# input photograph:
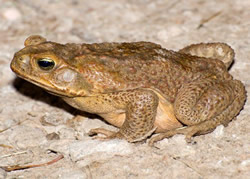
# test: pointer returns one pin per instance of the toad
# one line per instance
(139, 87)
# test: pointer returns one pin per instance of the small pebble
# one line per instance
(11, 14)
(52, 136)
(219, 131)
(3, 173)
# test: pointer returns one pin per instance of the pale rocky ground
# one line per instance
(28, 114)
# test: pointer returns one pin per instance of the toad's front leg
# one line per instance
(140, 106)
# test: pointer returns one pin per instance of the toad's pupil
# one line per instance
(46, 64)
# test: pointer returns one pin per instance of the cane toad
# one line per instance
(139, 87)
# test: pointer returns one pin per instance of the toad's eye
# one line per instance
(45, 63)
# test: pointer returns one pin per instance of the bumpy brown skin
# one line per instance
(139, 87)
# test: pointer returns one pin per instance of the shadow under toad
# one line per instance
(36, 93)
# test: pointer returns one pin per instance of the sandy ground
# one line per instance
(34, 123)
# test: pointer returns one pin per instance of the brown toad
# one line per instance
(139, 87)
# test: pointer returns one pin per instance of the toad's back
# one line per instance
(122, 66)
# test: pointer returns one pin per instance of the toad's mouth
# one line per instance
(38, 81)
(49, 88)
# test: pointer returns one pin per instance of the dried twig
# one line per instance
(9, 155)
(13, 125)
(6, 146)
(204, 21)
(187, 165)
(18, 167)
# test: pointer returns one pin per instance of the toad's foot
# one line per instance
(107, 134)
(189, 132)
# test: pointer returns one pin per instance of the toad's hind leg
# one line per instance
(220, 51)
(203, 105)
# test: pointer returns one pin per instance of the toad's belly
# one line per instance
(165, 119)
